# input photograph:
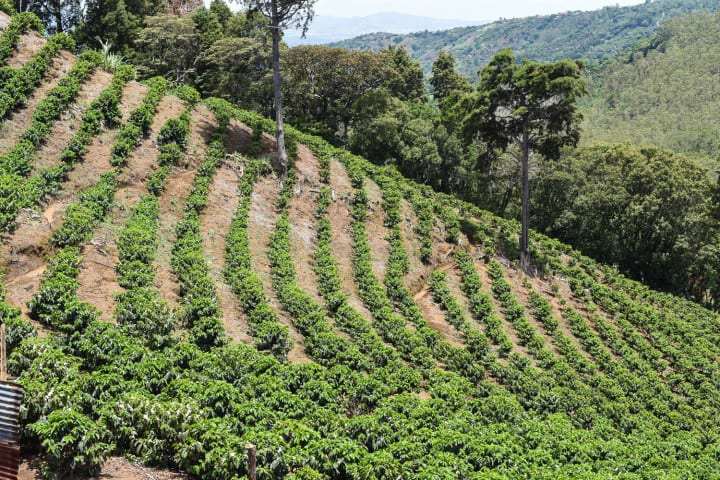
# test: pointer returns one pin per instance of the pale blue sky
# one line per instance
(461, 9)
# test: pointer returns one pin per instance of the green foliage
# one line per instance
(168, 46)
(19, 24)
(116, 22)
(662, 92)
(591, 35)
(7, 7)
(73, 444)
(649, 211)
(16, 85)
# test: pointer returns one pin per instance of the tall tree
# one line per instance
(282, 14)
(530, 106)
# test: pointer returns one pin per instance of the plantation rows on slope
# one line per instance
(169, 299)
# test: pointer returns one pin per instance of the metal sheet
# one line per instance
(9, 462)
(10, 400)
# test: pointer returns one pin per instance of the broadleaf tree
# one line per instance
(528, 106)
(282, 14)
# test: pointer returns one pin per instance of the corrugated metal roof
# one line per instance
(10, 400)
(9, 462)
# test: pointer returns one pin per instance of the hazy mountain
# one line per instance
(334, 29)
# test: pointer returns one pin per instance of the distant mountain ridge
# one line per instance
(592, 35)
(325, 29)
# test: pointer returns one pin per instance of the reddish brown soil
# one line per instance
(115, 468)
(63, 129)
(261, 223)
(341, 243)
(215, 225)
(435, 317)
(13, 127)
(27, 47)
(303, 221)
(376, 230)
(418, 273)
(177, 190)
(98, 278)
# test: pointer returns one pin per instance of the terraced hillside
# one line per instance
(169, 299)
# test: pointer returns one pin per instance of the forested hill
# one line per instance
(590, 35)
(664, 92)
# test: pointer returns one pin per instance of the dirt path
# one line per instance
(303, 223)
(115, 468)
(341, 243)
(13, 127)
(418, 273)
(435, 317)
(261, 223)
(98, 277)
(376, 230)
(214, 227)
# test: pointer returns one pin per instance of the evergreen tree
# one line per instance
(530, 106)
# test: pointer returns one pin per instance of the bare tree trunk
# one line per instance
(282, 153)
(525, 233)
(57, 11)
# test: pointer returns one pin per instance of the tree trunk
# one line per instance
(57, 11)
(280, 134)
(525, 233)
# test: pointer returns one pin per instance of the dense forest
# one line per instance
(593, 35)
(664, 91)
(373, 309)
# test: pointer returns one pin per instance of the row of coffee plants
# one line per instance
(58, 305)
(141, 309)
(19, 159)
(19, 24)
(347, 318)
(199, 307)
(17, 84)
(18, 192)
(480, 303)
(570, 371)
(426, 221)
(321, 342)
(456, 358)
(265, 328)
(659, 337)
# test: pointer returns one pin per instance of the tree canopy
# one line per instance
(530, 106)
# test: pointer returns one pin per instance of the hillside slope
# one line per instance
(664, 92)
(184, 302)
(590, 35)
